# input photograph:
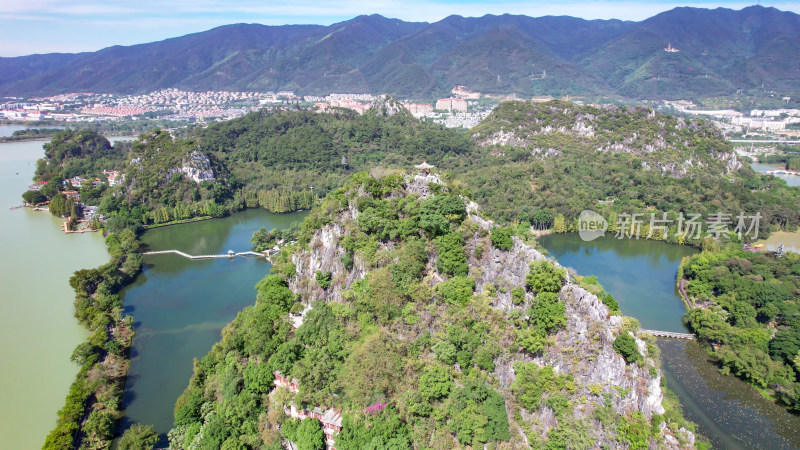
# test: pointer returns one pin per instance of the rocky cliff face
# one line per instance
(197, 167)
(583, 348)
(385, 105)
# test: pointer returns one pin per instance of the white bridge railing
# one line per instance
(669, 334)
(230, 254)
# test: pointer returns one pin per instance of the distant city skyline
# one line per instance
(48, 26)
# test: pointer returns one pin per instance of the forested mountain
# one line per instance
(385, 257)
(409, 321)
(537, 163)
(721, 50)
(557, 159)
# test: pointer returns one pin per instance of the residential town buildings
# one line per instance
(451, 104)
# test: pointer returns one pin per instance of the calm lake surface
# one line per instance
(729, 412)
(8, 130)
(37, 328)
(789, 239)
(641, 276)
(791, 180)
(181, 305)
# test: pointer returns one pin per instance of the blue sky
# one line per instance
(44, 26)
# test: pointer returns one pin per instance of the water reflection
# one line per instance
(727, 411)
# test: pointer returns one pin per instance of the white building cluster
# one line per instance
(767, 120)
(451, 104)
(756, 123)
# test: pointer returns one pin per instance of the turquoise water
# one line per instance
(640, 274)
(181, 305)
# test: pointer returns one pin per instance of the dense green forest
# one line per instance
(564, 158)
(283, 161)
(409, 351)
(745, 306)
(297, 149)
(532, 163)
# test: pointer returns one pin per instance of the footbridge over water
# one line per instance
(230, 254)
(669, 334)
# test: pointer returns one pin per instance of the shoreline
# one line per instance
(118, 364)
(10, 139)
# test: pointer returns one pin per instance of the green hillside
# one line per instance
(524, 161)
(558, 158)
(416, 341)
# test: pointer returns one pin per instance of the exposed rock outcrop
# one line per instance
(197, 167)
(385, 105)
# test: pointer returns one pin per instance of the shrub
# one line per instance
(518, 295)
(545, 277)
(548, 312)
(457, 290)
(138, 437)
(452, 258)
(501, 238)
(445, 352)
(610, 301)
(626, 346)
(324, 279)
(435, 383)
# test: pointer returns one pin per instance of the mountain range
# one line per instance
(720, 52)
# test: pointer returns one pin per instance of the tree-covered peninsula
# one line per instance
(547, 162)
(402, 318)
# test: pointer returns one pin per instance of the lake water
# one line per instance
(789, 239)
(8, 130)
(37, 328)
(729, 412)
(791, 180)
(641, 276)
(181, 305)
